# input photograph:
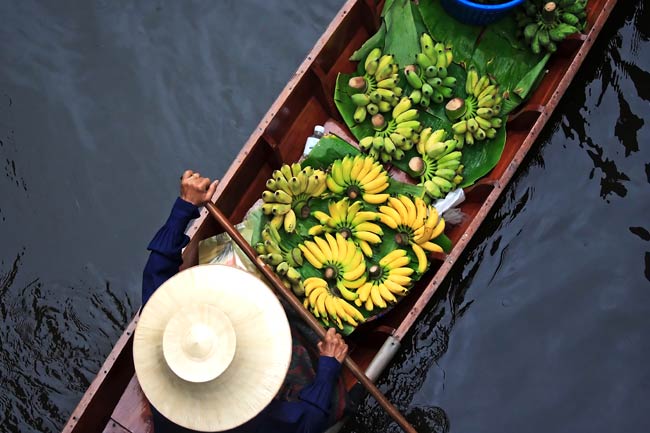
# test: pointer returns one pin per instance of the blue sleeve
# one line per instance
(318, 395)
(166, 246)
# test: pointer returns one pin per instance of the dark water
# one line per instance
(103, 104)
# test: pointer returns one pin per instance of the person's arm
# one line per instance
(166, 246)
(317, 396)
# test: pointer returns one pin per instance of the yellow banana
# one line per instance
(368, 163)
(396, 288)
(386, 294)
(404, 271)
(388, 220)
(421, 256)
(388, 258)
(438, 230)
(334, 249)
(371, 175)
(410, 209)
(342, 247)
(391, 212)
(354, 284)
(315, 250)
(364, 291)
(375, 198)
(324, 247)
(346, 168)
(399, 262)
(400, 208)
(376, 297)
(377, 185)
(355, 273)
(357, 165)
(398, 279)
(310, 257)
(333, 186)
(430, 246)
(365, 248)
(363, 216)
(369, 227)
(290, 221)
(352, 312)
(368, 236)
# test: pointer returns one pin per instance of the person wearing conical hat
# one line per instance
(213, 344)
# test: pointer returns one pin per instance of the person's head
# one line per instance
(212, 347)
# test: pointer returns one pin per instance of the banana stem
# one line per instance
(358, 83)
(455, 108)
(549, 12)
(416, 164)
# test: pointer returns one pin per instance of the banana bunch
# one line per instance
(340, 262)
(377, 90)
(288, 193)
(477, 115)
(396, 136)
(283, 260)
(545, 23)
(359, 176)
(416, 224)
(328, 306)
(439, 164)
(389, 278)
(429, 77)
(351, 222)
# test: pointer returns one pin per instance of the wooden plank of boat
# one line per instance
(114, 401)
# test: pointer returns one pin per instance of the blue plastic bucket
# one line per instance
(478, 14)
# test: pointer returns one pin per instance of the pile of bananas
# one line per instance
(284, 260)
(477, 114)
(327, 306)
(439, 164)
(340, 262)
(394, 137)
(389, 278)
(429, 77)
(288, 193)
(416, 223)
(543, 24)
(377, 90)
(361, 176)
(351, 222)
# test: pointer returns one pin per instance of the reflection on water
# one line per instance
(542, 327)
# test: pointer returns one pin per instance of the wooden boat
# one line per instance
(114, 401)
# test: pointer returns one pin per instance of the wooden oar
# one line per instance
(305, 315)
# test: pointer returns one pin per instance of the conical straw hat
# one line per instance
(212, 347)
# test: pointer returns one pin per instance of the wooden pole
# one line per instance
(306, 315)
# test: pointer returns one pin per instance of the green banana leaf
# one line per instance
(376, 40)
(327, 150)
(401, 34)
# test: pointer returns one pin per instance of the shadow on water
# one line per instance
(541, 326)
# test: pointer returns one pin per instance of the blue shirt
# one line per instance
(309, 414)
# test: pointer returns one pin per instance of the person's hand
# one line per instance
(333, 345)
(196, 189)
